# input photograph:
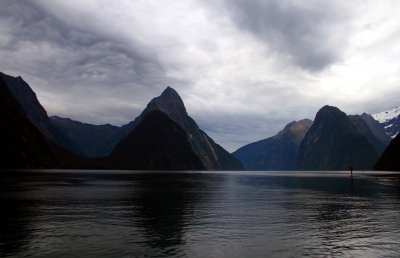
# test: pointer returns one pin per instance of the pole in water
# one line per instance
(351, 169)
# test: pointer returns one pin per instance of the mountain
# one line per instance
(94, 140)
(99, 141)
(364, 129)
(156, 143)
(390, 158)
(377, 128)
(390, 119)
(212, 155)
(333, 143)
(36, 113)
(275, 153)
(24, 146)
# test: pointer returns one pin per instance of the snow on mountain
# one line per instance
(387, 115)
(390, 120)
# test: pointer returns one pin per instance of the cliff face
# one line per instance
(275, 153)
(333, 143)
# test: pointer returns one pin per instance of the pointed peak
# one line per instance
(169, 93)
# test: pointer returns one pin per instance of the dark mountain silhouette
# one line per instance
(363, 128)
(275, 153)
(156, 143)
(333, 143)
(99, 141)
(95, 140)
(377, 128)
(212, 155)
(36, 113)
(24, 146)
(390, 158)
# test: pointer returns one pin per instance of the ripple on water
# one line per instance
(198, 215)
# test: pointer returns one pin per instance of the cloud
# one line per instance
(305, 34)
(70, 54)
(244, 69)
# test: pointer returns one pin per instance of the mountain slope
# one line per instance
(377, 128)
(275, 153)
(157, 143)
(212, 155)
(94, 140)
(36, 113)
(390, 158)
(363, 128)
(333, 143)
(24, 146)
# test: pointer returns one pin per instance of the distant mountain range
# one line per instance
(123, 147)
(165, 137)
(334, 141)
(279, 152)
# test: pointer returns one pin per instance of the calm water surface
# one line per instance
(229, 214)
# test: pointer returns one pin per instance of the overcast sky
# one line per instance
(244, 68)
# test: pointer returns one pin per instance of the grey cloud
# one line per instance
(32, 24)
(80, 62)
(302, 35)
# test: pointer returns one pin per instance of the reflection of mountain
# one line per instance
(17, 214)
(164, 204)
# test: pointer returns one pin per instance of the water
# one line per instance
(229, 214)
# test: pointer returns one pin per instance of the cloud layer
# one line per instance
(243, 68)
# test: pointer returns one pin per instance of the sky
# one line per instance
(244, 68)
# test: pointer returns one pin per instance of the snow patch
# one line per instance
(387, 115)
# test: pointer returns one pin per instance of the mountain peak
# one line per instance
(170, 103)
(169, 93)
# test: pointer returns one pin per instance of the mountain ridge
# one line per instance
(35, 112)
(278, 152)
(333, 143)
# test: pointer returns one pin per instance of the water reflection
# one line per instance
(17, 214)
(89, 213)
(165, 205)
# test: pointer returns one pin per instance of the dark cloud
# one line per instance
(89, 74)
(302, 35)
(75, 57)
(102, 62)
